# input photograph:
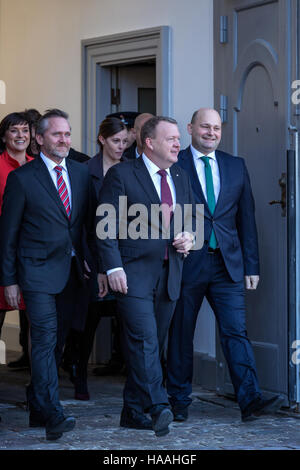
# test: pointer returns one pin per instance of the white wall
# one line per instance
(40, 54)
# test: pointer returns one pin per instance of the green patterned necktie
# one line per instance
(211, 202)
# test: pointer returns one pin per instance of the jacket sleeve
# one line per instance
(246, 226)
(14, 201)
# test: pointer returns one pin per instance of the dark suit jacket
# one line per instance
(130, 153)
(78, 156)
(233, 219)
(36, 234)
(142, 258)
(95, 166)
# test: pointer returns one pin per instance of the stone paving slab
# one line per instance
(214, 422)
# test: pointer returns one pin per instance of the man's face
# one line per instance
(165, 145)
(130, 137)
(56, 141)
(206, 131)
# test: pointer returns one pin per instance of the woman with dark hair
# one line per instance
(112, 139)
(14, 140)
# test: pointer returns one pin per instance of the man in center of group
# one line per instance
(145, 274)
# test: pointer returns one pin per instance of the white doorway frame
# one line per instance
(124, 48)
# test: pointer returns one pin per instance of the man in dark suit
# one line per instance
(145, 272)
(218, 271)
(46, 206)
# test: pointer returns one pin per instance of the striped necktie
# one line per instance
(210, 194)
(62, 190)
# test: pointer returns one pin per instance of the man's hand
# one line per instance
(118, 281)
(183, 242)
(251, 282)
(102, 284)
(13, 295)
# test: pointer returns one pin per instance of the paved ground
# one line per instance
(214, 422)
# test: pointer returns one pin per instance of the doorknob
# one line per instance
(282, 202)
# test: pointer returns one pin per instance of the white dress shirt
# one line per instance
(200, 168)
(156, 178)
(50, 164)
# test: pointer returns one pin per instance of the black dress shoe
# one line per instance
(21, 363)
(261, 406)
(36, 420)
(180, 413)
(161, 420)
(131, 418)
(56, 431)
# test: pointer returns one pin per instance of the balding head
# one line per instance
(206, 130)
(138, 124)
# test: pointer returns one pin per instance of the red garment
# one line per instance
(7, 164)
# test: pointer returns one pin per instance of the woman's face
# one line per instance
(17, 137)
(114, 146)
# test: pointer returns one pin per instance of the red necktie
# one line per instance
(62, 190)
(166, 200)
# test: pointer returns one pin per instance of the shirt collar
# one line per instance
(197, 154)
(50, 164)
(151, 167)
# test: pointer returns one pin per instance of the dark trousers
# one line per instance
(50, 318)
(145, 330)
(227, 299)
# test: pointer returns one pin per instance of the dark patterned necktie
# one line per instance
(62, 190)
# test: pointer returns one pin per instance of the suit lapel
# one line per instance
(177, 180)
(145, 179)
(223, 179)
(75, 182)
(45, 179)
(189, 166)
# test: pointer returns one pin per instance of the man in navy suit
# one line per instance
(228, 259)
(46, 206)
(145, 271)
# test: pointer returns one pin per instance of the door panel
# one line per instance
(249, 72)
